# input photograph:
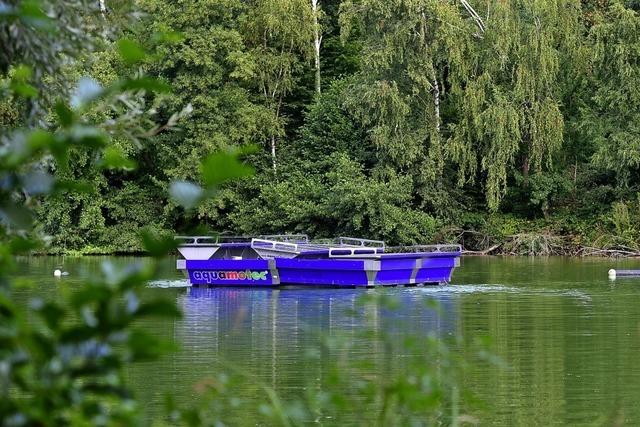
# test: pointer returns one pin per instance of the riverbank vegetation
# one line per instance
(510, 127)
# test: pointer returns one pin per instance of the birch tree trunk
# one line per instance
(475, 16)
(273, 152)
(103, 7)
(317, 41)
(436, 102)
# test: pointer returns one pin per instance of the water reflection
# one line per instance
(251, 311)
(570, 339)
(268, 333)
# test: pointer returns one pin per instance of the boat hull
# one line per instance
(382, 270)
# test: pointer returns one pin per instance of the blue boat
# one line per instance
(277, 260)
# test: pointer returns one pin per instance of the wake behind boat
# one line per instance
(294, 260)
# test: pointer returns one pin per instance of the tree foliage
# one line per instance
(510, 108)
(437, 119)
(611, 119)
(458, 107)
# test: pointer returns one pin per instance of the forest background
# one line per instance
(510, 127)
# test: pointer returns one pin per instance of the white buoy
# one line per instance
(612, 274)
(57, 273)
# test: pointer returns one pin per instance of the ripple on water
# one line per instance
(465, 289)
(178, 283)
(497, 288)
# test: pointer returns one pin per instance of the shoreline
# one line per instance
(490, 241)
(585, 252)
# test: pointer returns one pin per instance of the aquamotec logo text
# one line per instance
(210, 276)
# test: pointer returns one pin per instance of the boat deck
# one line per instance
(294, 259)
(299, 245)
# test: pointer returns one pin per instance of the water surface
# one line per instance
(569, 338)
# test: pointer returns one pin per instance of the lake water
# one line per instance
(568, 338)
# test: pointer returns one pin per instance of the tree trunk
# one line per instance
(474, 15)
(317, 41)
(273, 152)
(317, 53)
(436, 102)
(103, 7)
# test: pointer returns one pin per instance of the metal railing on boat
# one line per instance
(274, 245)
(196, 240)
(341, 251)
(440, 248)
(215, 240)
(340, 247)
(356, 241)
(364, 252)
(297, 243)
(262, 245)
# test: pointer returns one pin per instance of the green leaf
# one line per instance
(159, 307)
(40, 139)
(16, 215)
(220, 167)
(158, 245)
(21, 244)
(65, 115)
(51, 313)
(144, 346)
(77, 334)
(167, 37)
(130, 51)
(24, 89)
(90, 294)
(22, 73)
(31, 12)
(88, 136)
(114, 158)
(73, 186)
(146, 83)
(126, 278)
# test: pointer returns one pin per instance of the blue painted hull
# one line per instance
(383, 270)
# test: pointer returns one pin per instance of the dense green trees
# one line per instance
(408, 120)
(510, 106)
(611, 120)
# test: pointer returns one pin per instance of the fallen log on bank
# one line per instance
(588, 251)
(476, 243)
(487, 251)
